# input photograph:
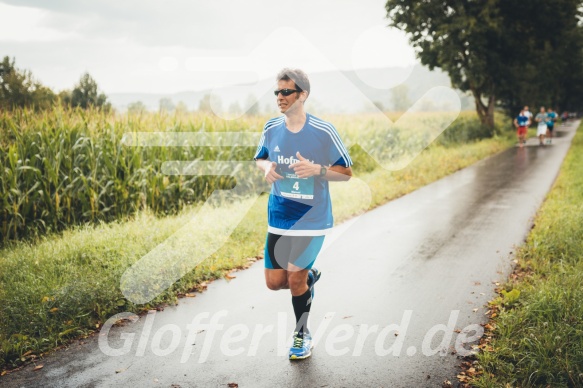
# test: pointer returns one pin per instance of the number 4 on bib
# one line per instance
(290, 187)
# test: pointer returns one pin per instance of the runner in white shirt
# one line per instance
(527, 113)
(541, 128)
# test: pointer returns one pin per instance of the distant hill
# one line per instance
(332, 92)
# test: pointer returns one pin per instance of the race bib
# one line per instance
(293, 186)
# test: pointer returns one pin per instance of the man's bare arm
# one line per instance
(338, 173)
(268, 169)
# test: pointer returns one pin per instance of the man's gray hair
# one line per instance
(298, 76)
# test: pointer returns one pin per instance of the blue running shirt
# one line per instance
(300, 206)
(551, 118)
(521, 120)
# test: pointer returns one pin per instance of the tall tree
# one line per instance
(509, 52)
(235, 108)
(65, 97)
(18, 88)
(85, 94)
(210, 103)
(252, 105)
(137, 107)
(544, 53)
(166, 105)
(181, 107)
(400, 98)
(460, 37)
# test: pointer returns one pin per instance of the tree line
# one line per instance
(507, 53)
(20, 89)
(209, 103)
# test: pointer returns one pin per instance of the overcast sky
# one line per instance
(178, 45)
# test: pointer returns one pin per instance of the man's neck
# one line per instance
(295, 121)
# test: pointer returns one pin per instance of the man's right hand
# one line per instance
(270, 174)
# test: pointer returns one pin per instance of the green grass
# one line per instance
(64, 286)
(538, 341)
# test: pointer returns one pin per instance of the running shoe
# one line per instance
(313, 276)
(302, 347)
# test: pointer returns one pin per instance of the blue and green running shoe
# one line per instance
(302, 347)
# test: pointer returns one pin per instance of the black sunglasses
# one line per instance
(286, 92)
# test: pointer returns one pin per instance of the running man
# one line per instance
(521, 122)
(551, 118)
(298, 154)
(565, 117)
(541, 129)
(527, 113)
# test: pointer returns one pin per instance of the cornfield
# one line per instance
(63, 167)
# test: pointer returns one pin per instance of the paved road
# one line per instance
(396, 285)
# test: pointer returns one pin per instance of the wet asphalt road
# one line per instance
(397, 284)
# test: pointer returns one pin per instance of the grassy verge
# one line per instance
(537, 337)
(66, 286)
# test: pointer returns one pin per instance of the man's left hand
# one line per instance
(304, 168)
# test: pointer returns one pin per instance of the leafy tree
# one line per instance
(204, 104)
(461, 38)
(545, 65)
(509, 52)
(85, 94)
(65, 97)
(253, 105)
(137, 107)
(235, 108)
(427, 105)
(166, 105)
(18, 88)
(400, 98)
(181, 107)
(210, 103)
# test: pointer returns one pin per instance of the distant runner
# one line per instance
(551, 118)
(541, 129)
(528, 114)
(565, 117)
(298, 153)
(521, 122)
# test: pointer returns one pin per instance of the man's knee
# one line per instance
(297, 279)
(273, 285)
(276, 282)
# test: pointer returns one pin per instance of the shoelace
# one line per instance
(298, 342)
